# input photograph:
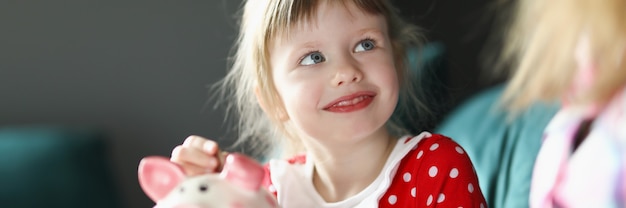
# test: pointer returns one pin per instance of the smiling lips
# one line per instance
(350, 103)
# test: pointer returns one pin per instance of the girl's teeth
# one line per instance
(350, 102)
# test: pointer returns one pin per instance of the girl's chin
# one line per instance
(353, 133)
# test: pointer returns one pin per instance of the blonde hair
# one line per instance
(263, 21)
(540, 45)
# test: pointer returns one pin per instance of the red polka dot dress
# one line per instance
(428, 170)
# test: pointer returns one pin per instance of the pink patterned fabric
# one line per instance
(592, 176)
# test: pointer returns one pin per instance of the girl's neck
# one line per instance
(344, 170)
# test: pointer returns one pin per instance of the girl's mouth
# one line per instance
(350, 103)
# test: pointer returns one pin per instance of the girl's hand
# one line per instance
(198, 155)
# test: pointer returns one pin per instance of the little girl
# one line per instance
(323, 79)
(575, 51)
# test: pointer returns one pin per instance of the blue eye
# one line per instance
(312, 58)
(365, 45)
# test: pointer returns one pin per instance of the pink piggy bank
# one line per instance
(237, 186)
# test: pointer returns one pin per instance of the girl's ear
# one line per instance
(280, 113)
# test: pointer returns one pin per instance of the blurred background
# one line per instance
(135, 75)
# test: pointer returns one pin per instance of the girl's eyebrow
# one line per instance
(309, 44)
(374, 31)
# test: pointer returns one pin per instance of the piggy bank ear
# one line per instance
(158, 176)
(243, 171)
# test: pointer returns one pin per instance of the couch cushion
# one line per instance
(503, 152)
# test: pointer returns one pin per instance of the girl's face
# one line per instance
(336, 74)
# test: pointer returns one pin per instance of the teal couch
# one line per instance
(55, 167)
(503, 152)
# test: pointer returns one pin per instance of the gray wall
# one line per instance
(467, 29)
(137, 69)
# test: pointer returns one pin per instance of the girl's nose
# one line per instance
(346, 74)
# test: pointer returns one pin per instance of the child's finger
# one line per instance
(209, 146)
(186, 155)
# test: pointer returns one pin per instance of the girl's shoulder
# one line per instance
(432, 139)
(433, 144)
(439, 149)
(436, 171)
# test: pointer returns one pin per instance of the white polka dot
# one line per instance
(413, 192)
(482, 205)
(441, 198)
(432, 172)
(434, 147)
(459, 150)
(406, 177)
(392, 199)
(419, 154)
(271, 188)
(470, 187)
(454, 173)
(429, 200)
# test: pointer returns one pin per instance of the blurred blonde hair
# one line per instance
(264, 21)
(540, 45)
